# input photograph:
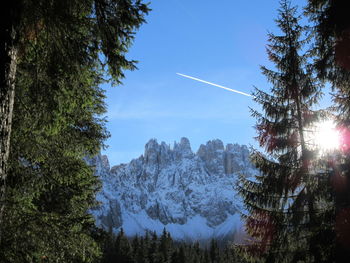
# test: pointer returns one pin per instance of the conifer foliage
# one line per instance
(162, 249)
(64, 50)
(331, 22)
(290, 198)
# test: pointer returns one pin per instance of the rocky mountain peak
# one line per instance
(152, 149)
(191, 194)
(183, 149)
(211, 146)
(212, 153)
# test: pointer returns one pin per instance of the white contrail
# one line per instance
(216, 85)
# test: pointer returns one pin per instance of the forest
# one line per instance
(54, 57)
(153, 248)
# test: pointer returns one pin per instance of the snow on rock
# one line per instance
(190, 194)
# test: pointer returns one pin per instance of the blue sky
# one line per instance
(220, 41)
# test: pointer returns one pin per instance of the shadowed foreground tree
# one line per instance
(8, 65)
(76, 30)
(289, 203)
(64, 49)
(332, 51)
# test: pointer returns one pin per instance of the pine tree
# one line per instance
(289, 202)
(141, 252)
(165, 245)
(57, 122)
(109, 253)
(182, 254)
(49, 183)
(174, 257)
(197, 253)
(331, 49)
(332, 35)
(74, 36)
(10, 12)
(124, 251)
(153, 251)
(214, 251)
(206, 258)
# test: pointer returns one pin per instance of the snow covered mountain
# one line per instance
(190, 194)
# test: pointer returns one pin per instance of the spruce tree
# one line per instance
(289, 202)
(153, 252)
(182, 254)
(124, 252)
(65, 49)
(331, 30)
(165, 245)
(197, 253)
(86, 35)
(109, 253)
(141, 252)
(214, 251)
(206, 258)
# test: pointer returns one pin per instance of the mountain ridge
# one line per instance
(190, 194)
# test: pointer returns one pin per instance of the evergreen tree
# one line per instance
(332, 36)
(73, 36)
(141, 251)
(214, 251)
(108, 248)
(56, 123)
(206, 258)
(124, 251)
(182, 254)
(289, 202)
(136, 247)
(119, 249)
(8, 66)
(153, 252)
(174, 257)
(165, 246)
(49, 183)
(332, 40)
(197, 253)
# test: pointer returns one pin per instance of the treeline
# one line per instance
(160, 249)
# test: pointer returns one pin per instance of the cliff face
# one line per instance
(190, 194)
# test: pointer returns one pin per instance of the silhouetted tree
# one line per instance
(214, 251)
(290, 199)
(165, 246)
(332, 60)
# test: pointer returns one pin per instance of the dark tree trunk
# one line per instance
(8, 63)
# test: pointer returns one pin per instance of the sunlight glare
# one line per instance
(326, 137)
